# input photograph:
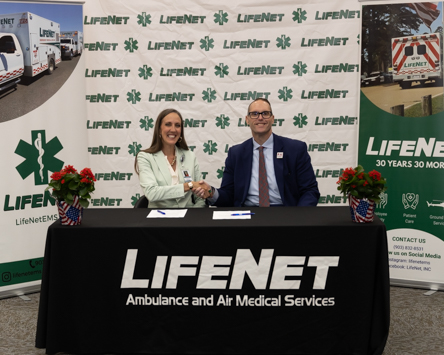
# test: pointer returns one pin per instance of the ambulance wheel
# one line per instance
(70, 56)
(406, 84)
(51, 66)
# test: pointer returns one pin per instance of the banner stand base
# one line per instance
(427, 285)
(20, 291)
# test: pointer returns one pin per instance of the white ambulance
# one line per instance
(29, 45)
(417, 59)
(71, 43)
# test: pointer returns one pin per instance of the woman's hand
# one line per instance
(202, 189)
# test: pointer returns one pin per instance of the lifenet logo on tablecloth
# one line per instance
(210, 267)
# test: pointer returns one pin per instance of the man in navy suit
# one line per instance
(289, 173)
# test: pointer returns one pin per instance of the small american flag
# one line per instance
(70, 215)
(361, 209)
(427, 12)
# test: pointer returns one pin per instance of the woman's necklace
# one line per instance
(174, 160)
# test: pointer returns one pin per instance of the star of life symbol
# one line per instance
(144, 19)
(145, 72)
(206, 43)
(134, 148)
(222, 121)
(283, 42)
(299, 15)
(220, 172)
(220, 17)
(39, 157)
(209, 95)
(134, 199)
(210, 147)
(221, 70)
(285, 94)
(300, 120)
(146, 123)
(300, 69)
(133, 96)
(131, 45)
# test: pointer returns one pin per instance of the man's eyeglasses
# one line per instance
(255, 115)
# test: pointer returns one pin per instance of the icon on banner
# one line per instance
(6, 276)
(437, 203)
(383, 200)
(39, 157)
(410, 200)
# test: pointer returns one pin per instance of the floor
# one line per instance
(416, 328)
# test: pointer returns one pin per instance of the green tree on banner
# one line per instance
(384, 21)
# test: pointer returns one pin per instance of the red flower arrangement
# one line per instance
(67, 183)
(361, 184)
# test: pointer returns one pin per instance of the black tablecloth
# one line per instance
(341, 309)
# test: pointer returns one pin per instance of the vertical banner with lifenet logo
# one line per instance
(42, 121)
(209, 61)
(401, 133)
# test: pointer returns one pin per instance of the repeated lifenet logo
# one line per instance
(222, 121)
(144, 19)
(300, 120)
(111, 124)
(145, 72)
(221, 70)
(131, 45)
(106, 20)
(100, 46)
(146, 123)
(299, 15)
(220, 17)
(107, 73)
(134, 148)
(300, 69)
(39, 157)
(210, 147)
(103, 150)
(337, 15)
(133, 96)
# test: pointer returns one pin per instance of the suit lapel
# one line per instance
(278, 147)
(161, 162)
(247, 164)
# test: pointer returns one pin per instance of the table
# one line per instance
(299, 280)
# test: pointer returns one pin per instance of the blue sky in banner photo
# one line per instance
(56, 13)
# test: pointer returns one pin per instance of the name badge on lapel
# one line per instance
(280, 155)
(186, 176)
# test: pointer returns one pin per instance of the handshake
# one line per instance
(202, 189)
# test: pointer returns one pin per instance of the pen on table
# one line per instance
(242, 214)
(161, 212)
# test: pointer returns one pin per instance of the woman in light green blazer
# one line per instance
(168, 170)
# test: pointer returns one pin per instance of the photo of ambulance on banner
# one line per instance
(32, 47)
(401, 133)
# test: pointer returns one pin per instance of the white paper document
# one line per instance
(232, 214)
(167, 213)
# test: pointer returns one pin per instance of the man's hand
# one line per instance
(202, 189)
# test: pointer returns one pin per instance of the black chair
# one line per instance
(142, 202)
